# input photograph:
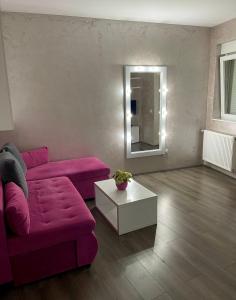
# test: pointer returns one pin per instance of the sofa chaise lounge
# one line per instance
(61, 235)
(82, 172)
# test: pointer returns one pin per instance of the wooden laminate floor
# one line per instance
(191, 254)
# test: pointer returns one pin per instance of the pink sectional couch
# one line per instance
(61, 235)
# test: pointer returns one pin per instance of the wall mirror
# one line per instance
(145, 110)
(228, 87)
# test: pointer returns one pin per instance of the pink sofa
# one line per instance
(61, 233)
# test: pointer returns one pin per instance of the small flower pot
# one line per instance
(122, 186)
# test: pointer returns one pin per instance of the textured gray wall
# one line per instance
(66, 84)
(220, 34)
(6, 121)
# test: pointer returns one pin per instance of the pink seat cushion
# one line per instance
(35, 157)
(58, 214)
(85, 168)
(17, 210)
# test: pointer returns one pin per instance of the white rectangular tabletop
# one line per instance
(134, 192)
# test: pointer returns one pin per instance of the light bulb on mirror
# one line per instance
(164, 90)
(164, 113)
(128, 91)
(129, 115)
(129, 137)
(140, 68)
(163, 134)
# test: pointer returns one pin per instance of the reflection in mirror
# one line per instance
(228, 87)
(145, 104)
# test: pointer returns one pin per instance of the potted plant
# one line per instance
(122, 178)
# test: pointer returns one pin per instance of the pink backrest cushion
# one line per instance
(35, 157)
(17, 209)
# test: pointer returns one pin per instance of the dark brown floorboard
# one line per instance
(190, 254)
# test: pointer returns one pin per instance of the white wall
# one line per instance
(66, 85)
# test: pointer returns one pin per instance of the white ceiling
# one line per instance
(186, 12)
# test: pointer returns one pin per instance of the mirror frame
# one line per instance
(224, 116)
(163, 91)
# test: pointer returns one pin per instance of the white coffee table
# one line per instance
(128, 210)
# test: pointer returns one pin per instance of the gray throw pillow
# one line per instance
(12, 148)
(11, 171)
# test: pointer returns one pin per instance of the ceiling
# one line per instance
(186, 12)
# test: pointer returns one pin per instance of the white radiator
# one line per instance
(219, 149)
